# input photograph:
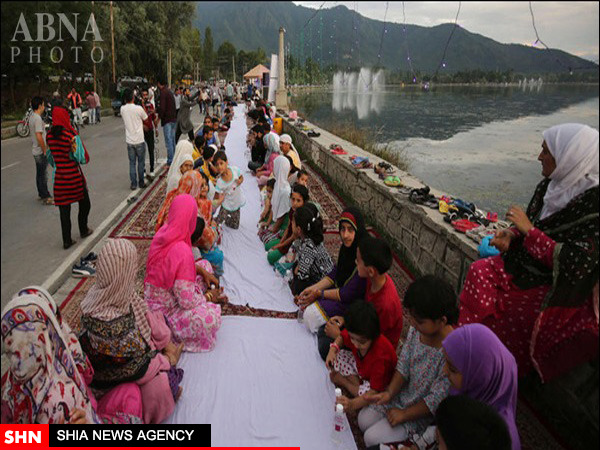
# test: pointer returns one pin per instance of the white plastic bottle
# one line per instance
(338, 425)
(338, 394)
(300, 315)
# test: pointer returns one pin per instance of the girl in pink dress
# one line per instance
(172, 286)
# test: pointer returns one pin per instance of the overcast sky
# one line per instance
(569, 26)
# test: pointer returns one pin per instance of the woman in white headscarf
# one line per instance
(183, 161)
(271, 141)
(540, 296)
(280, 203)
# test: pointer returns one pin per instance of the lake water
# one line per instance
(477, 143)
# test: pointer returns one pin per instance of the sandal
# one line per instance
(464, 225)
(445, 208)
(384, 168)
(338, 151)
(313, 133)
(393, 181)
(404, 190)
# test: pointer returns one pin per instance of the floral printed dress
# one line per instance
(192, 319)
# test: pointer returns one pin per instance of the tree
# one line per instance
(209, 53)
(225, 54)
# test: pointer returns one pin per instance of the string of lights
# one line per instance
(313, 16)
(412, 71)
(443, 60)
(539, 40)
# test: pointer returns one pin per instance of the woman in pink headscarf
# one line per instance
(172, 286)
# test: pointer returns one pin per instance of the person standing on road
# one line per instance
(215, 94)
(91, 103)
(168, 119)
(184, 123)
(98, 106)
(69, 183)
(133, 116)
(75, 102)
(177, 102)
(150, 128)
(39, 149)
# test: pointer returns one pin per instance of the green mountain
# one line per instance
(343, 37)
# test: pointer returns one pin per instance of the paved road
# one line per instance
(31, 236)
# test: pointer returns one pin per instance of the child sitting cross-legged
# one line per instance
(312, 260)
(279, 247)
(373, 260)
(419, 384)
(367, 366)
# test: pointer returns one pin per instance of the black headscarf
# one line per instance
(346, 264)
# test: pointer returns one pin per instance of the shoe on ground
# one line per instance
(90, 257)
(133, 187)
(69, 244)
(142, 185)
(87, 233)
(82, 271)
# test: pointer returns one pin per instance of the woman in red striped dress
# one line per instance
(69, 183)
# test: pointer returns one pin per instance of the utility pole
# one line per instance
(169, 68)
(94, 48)
(112, 35)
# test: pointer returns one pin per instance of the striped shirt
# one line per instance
(69, 182)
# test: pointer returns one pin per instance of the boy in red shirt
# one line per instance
(373, 260)
(369, 365)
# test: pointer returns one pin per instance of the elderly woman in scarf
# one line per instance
(124, 340)
(48, 374)
(172, 286)
(197, 185)
(540, 295)
(331, 296)
(263, 174)
(182, 163)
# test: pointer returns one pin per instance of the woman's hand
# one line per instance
(210, 279)
(395, 416)
(502, 240)
(518, 217)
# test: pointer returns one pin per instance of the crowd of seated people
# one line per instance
(432, 369)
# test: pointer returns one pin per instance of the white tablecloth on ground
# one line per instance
(264, 384)
(248, 277)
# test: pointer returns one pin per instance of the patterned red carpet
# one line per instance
(138, 226)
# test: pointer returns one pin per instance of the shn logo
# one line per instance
(22, 437)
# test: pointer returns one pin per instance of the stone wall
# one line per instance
(427, 243)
